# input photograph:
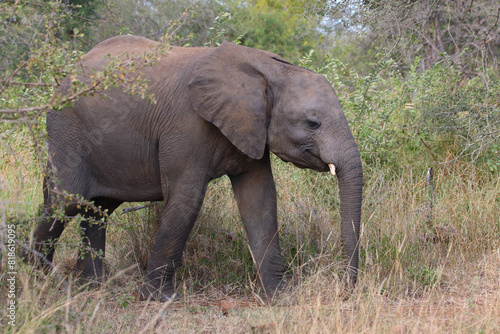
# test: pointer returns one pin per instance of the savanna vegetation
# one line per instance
(419, 82)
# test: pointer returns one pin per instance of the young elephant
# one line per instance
(218, 111)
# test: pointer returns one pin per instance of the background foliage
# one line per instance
(418, 79)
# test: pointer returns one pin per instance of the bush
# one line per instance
(435, 116)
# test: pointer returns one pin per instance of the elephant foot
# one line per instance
(148, 292)
(165, 297)
(346, 290)
(88, 280)
(91, 269)
(273, 296)
(36, 258)
(90, 273)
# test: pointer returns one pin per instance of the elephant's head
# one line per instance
(256, 99)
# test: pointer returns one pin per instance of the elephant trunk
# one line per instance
(350, 177)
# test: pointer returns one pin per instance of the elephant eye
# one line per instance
(313, 123)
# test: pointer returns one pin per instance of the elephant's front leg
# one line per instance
(255, 194)
(181, 207)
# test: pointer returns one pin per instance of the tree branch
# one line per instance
(49, 106)
(27, 84)
(492, 27)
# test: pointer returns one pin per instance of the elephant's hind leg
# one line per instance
(49, 229)
(45, 237)
(93, 228)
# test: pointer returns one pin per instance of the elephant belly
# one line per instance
(121, 167)
(126, 172)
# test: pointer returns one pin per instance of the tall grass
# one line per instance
(416, 276)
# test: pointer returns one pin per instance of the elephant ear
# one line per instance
(229, 90)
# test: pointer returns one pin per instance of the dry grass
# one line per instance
(416, 277)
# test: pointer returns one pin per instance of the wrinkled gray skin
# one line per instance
(219, 111)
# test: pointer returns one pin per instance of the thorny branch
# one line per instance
(50, 105)
(492, 27)
(28, 84)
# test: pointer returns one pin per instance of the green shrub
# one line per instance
(420, 118)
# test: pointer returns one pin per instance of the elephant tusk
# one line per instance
(332, 169)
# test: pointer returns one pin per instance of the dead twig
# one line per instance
(41, 257)
(429, 205)
(49, 106)
(136, 208)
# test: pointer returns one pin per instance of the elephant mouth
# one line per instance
(314, 161)
(318, 166)
(308, 159)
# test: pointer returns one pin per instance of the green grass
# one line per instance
(416, 277)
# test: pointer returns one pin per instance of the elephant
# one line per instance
(218, 111)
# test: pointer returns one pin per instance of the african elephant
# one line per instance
(218, 111)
